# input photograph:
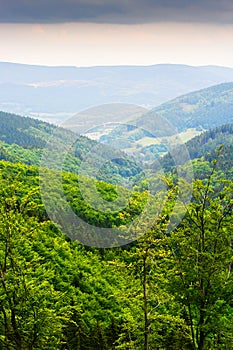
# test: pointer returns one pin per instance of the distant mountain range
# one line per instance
(55, 93)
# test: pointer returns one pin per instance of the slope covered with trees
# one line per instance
(205, 145)
(23, 139)
(170, 288)
(153, 133)
(204, 109)
(165, 290)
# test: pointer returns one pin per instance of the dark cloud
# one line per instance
(113, 11)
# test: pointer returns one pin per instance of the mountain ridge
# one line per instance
(27, 89)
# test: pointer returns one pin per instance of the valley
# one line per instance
(118, 234)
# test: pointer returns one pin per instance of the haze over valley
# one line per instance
(56, 93)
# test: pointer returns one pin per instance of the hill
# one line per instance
(152, 134)
(57, 294)
(205, 146)
(51, 285)
(24, 139)
(54, 93)
(202, 109)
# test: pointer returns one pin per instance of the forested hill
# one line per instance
(176, 121)
(159, 291)
(206, 144)
(58, 295)
(204, 109)
(32, 133)
(23, 131)
(23, 139)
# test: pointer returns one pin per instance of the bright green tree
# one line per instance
(32, 311)
(201, 270)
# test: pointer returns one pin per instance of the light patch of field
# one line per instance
(95, 135)
(183, 137)
(147, 141)
(187, 107)
(188, 134)
(130, 150)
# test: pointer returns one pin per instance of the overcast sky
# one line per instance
(98, 32)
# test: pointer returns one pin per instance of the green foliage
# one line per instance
(205, 148)
(204, 109)
(32, 311)
(163, 291)
(24, 140)
(167, 290)
(60, 295)
(201, 276)
(199, 110)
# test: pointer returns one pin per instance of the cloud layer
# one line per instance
(113, 11)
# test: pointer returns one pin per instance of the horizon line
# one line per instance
(115, 65)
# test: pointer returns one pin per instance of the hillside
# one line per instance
(54, 93)
(65, 293)
(88, 265)
(202, 109)
(174, 122)
(24, 139)
(58, 294)
(24, 131)
(207, 142)
(205, 146)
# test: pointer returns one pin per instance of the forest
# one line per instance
(169, 287)
(162, 291)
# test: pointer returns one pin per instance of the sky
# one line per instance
(133, 32)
